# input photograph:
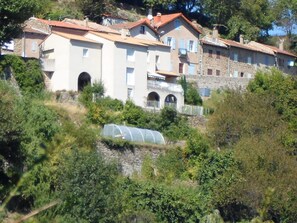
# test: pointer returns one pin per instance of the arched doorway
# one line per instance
(153, 100)
(83, 80)
(171, 101)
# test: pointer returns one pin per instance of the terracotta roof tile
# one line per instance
(74, 37)
(128, 40)
(131, 25)
(165, 19)
(92, 25)
(63, 24)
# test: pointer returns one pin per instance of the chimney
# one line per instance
(281, 44)
(215, 33)
(124, 33)
(157, 18)
(241, 40)
(86, 21)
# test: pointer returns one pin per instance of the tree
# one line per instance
(286, 14)
(94, 9)
(11, 156)
(87, 188)
(13, 14)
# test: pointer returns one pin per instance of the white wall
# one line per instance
(149, 34)
(69, 62)
(61, 46)
(78, 63)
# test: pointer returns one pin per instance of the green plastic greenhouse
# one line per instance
(133, 134)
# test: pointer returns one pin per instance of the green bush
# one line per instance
(86, 95)
(28, 73)
(87, 188)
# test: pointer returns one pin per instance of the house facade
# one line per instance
(182, 36)
(70, 61)
(138, 70)
(140, 29)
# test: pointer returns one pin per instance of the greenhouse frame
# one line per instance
(133, 134)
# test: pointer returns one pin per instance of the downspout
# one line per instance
(229, 58)
(24, 45)
(201, 59)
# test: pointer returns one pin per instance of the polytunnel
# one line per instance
(133, 134)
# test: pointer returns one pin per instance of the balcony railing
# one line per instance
(176, 88)
(170, 104)
(153, 104)
(48, 64)
(182, 52)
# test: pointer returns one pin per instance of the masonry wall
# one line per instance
(130, 161)
(217, 62)
(214, 82)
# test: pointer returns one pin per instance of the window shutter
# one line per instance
(196, 46)
(173, 44)
(188, 47)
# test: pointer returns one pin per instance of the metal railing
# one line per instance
(192, 110)
(153, 104)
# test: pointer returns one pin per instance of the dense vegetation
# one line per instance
(242, 168)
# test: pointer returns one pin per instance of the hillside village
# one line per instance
(142, 61)
(150, 119)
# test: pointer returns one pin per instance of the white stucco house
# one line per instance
(70, 61)
(138, 70)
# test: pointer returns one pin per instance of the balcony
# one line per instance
(161, 85)
(182, 52)
(153, 104)
(48, 64)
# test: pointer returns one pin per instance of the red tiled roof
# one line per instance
(236, 44)
(91, 25)
(271, 49)
(64, 24)
(28, 29)
(131, 25)
(165, 19)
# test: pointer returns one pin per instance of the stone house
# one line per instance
(182, 36)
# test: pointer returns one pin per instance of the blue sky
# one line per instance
(278, 31)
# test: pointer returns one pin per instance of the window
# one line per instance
(267, 61)
(177, 24)
(8, 45)
(209, 53)
(249, 60)
(218, 72)
(130, 55)
(241, 74)
(85, 52)
(191, 68)
(218, 54)
(181, 68)
(191, 46)
(130, 77)
(171, 42)
(209, 71)
(34, 46)
(142, 29)
(235, 57)
(129, 93)
(235, 73)
(157, 59)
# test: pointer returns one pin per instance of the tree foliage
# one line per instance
(13, 14)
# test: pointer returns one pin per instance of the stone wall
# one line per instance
(214, 82)
(130, 160)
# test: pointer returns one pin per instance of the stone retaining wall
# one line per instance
(129, 160)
